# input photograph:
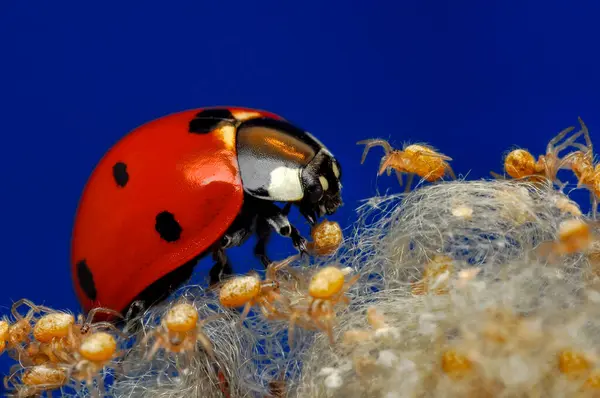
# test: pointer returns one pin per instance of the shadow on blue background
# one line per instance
(472, 79)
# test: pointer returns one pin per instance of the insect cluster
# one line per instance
(56, 349)
(314, 298)
(53, 348)
(493, 292)
(521, 164)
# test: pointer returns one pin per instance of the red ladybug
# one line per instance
(190, 184)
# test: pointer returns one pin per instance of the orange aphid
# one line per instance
(418, 159)
(37, 379)
(377, 322)
(573, 364)
(3, 335)
(327, 288)
(593, 381)
(435, 276)
(581, 163)
(574, 236)
(248, 291)
(326, 238)
(520, 163)
(53, 326)
(43, 375)
(180, 330)
(455, 365)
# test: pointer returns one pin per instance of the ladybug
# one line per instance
(191, 184)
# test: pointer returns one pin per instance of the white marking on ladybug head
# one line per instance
(285, 184)
(324, 183)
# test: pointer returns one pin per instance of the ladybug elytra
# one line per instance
(191, 184)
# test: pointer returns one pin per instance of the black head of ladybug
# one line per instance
(280, 162)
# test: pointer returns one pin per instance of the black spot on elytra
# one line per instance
(120, 174)
(167, 227)
(86, 280)
(207, 120)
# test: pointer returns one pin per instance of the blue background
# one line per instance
(472, 78)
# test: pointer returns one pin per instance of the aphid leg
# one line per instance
(274, 297)
(244, 313)
(552, 143)
(409, 181)
(552, 149)
(273, 268)
(568, 160)
(269, 310)
(586, 133)
(450, 172)
(99, 310)
(12, 373)
(385, 163)
(385, 166)
(327, 323)
(101, 389)
(107, 326)
(350, 283)
(594, 202)
(203, 338)
(206, 343)
(292, 327)
(370, 143)
(33, 308)
(155, 347)
(497, 176)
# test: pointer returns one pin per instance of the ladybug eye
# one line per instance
(314, 192)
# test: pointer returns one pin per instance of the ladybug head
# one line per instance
(282, 162)
(321, 183)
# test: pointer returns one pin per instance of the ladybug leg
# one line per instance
(277, 219)
(308, 213)
(263, 230)
(221, 268)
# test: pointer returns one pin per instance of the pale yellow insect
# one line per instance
(16, 335)
(58, 336)
(97, 351)
(36, 379)
(248, 291)
(180, 330)
(521, 164)
(581, 162)
(574, 236)
(327, 288)
(415, 159)
(327, 236)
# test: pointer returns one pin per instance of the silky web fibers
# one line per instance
(253, 357)
(456, 300)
